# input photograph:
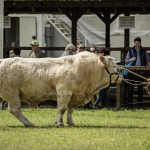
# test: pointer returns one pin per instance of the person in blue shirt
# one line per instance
(141, 58)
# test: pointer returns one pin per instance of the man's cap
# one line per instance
(81, 45)
(35, 42)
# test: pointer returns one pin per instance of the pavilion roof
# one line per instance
(56, 6)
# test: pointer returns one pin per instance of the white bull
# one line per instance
(71, 80)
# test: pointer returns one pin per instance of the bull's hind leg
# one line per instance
(16, 111)
(63, 99)
(14, 107)
(1, 100)
(69, 116)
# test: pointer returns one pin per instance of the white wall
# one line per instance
(141, 30)
(31, 25)
(57, 40)
(27, 30)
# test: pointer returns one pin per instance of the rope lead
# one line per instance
(139, 82)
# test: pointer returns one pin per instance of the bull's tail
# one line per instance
(1, 60)
(1, 100)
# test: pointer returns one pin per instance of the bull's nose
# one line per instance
(121, 77)
(120, 74)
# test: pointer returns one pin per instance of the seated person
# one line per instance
(81, 48)
(69, 50)
(17, 52)
(93, 49)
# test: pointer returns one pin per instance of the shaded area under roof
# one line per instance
(53, 6)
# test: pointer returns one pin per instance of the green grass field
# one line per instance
(95, 130)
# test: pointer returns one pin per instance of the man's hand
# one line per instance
(148, 80)
(132, 59)
(142, 72)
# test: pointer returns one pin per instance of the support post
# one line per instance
(48, 37)
(76, 14)
(1, 27)
(107, 44)
(106, 12)
(118, 95)
(74, 27)
(126, 45)
(127, 31)
(1, 31)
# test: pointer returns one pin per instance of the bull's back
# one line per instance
(38, 77)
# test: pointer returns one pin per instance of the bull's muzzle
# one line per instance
(118, 75)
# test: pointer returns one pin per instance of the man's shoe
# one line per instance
(93, 107)
(129, 108)
(143, 108)
(108, 107)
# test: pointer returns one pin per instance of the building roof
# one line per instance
(57, 6)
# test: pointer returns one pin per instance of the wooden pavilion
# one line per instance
(74, 9)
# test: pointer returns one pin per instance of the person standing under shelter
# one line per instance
(93, 50)
(69, 50)
(103, 92)
(140, 58)
(81, 48)
(17, 52)
(36, 51)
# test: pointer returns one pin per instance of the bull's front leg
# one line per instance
(62, 105)
(69, 116)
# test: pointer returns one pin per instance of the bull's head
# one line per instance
(111, 68)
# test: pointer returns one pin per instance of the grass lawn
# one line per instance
(95, 130)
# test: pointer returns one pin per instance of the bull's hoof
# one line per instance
(70, 124)
(29, 125)
(60, 125)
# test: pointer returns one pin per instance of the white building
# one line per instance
(91, 31)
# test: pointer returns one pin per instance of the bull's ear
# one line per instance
(103, 60)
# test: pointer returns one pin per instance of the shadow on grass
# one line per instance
(84, 126)
(41, 127)
(112, 127)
